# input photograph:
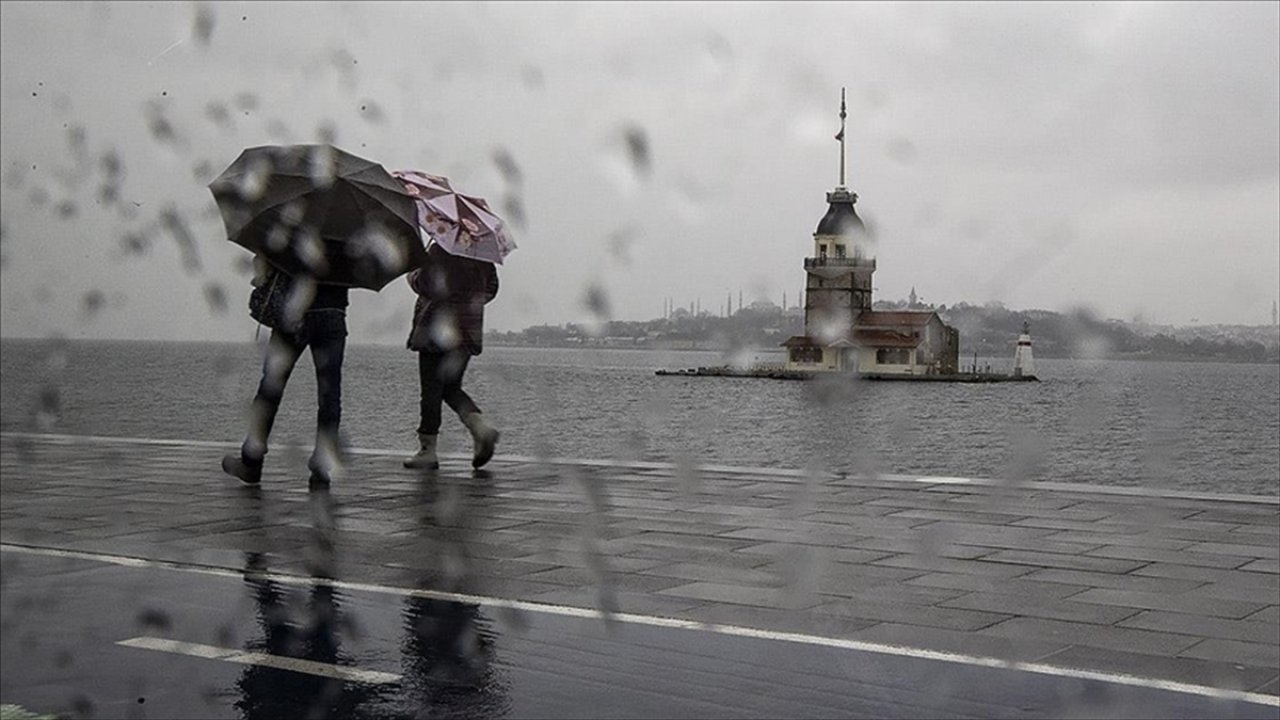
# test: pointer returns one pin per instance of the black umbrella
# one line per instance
(316, 211)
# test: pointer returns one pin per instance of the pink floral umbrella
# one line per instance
(460, 224)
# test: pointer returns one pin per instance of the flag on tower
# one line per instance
(840, 135)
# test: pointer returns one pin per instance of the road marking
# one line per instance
(779, 474)
(310, 667)
(676, 623)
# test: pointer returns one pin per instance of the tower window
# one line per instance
(839, 251)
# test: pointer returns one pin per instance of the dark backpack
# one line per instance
(267, 303)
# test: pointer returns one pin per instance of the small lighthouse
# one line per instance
(1023, 362)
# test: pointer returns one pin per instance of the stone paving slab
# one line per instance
(1226, 675)
(1241, 576)
(1270, 615)
(1264, 565)
(1041, 607)
(1212, 607)
(1254, 654)
(1182, 587)
(1019, 586)
(1106, 637)
(1205, 627)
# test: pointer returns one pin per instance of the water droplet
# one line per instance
(507, 166)
(153, 619)
(218, 114)
(513, 210)
(202, 29)
(82, 706)
(135, 243)
(174, 223)
(638, 149)
(902, 150)
(327, 133)
(216, 297)
(533, 77)
(92, 302)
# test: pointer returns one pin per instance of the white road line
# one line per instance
(676, 623)
(945, 480)
(310, 667)
(780, 474)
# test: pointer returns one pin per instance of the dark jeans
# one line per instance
(325, 332)
(440, 377)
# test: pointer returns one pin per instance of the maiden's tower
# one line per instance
(842, 333)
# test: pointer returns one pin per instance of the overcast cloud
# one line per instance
(1123, 157)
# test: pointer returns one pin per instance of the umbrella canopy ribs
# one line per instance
(320, 212)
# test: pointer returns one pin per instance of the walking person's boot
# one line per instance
(247, 464)
(485, 437)
(425, 458)
(326, 460)
(238, 466)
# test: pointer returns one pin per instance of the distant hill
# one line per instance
(990, 329)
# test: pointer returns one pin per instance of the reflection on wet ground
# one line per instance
(132, 590)
(424, 657)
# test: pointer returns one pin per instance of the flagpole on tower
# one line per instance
(840, 137)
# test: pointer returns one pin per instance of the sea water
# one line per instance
(1211, 427)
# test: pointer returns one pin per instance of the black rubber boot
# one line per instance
(235, 465)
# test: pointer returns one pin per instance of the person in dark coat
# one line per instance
(323, 329)
(448, 330)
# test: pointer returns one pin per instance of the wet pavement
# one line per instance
(139, 582)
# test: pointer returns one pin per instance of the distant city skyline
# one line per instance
(694, 307)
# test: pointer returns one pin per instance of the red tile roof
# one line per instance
(883, 338)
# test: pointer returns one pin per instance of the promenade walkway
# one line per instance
(1179, 591)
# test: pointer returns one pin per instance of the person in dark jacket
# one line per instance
(324, 330)
(448, 328)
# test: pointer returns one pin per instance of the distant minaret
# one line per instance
(1023, 363)
(912, 299)
(1275, 314)
(739, 299)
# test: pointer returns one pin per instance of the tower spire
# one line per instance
(840, 137)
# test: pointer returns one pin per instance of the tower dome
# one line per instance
(841, 218)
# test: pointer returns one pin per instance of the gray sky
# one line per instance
(1123, 157)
